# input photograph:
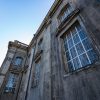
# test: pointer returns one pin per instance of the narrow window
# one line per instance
(11, 83)
(36, 74)
(78, 48)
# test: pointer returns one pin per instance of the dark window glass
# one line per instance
(87, 44)
(73, 52)
(84, 60)
(70, 43)
(76, 39)
(66, 47)
(82, 34)
(92, 56)
(79, 48)
(76, 63)
(68, 56)
(70, 65)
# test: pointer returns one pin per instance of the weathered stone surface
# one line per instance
(51, 80)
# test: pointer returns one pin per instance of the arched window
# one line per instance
(18, 61)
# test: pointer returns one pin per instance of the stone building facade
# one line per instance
(62, 61)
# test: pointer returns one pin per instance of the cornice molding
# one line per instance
(17, 44)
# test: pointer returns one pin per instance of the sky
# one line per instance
(19, 20)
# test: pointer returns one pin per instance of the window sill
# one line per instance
(88, 68)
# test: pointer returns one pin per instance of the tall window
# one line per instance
(36, 75)
(65, 12)
(78, 48)
(18, 61)
(11, 83)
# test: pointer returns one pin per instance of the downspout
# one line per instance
(29, 76)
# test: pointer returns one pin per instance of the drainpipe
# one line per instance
(30, 70)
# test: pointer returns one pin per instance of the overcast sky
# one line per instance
(19, 20)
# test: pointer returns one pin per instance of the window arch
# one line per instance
(18, 61)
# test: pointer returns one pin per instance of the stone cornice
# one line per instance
(17, 44)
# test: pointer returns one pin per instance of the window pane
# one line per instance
(76, 39)
(70, 66)
(79, 48)
(84, 60)
(64, 39)
(76, 63)
(82, 34)
(70, 43)
(86, 44)
(66, 47)
(78, 27)
(69, 36)
(73, 31)
(68, 56)
(92, 56)
(73, 52)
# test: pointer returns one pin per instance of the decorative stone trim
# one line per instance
(66, 21)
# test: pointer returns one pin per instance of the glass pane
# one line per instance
(76, 63)
(78, 27)
(73, 52)
(76, 39)
(79, 48)
(84, 60)
(68, 36)
(68, 56)
(64, 39)
(82, 34)
(66, 47)
(70, 43)
(70, 66)
(86, 44)
(92, 56)
(73, 31)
